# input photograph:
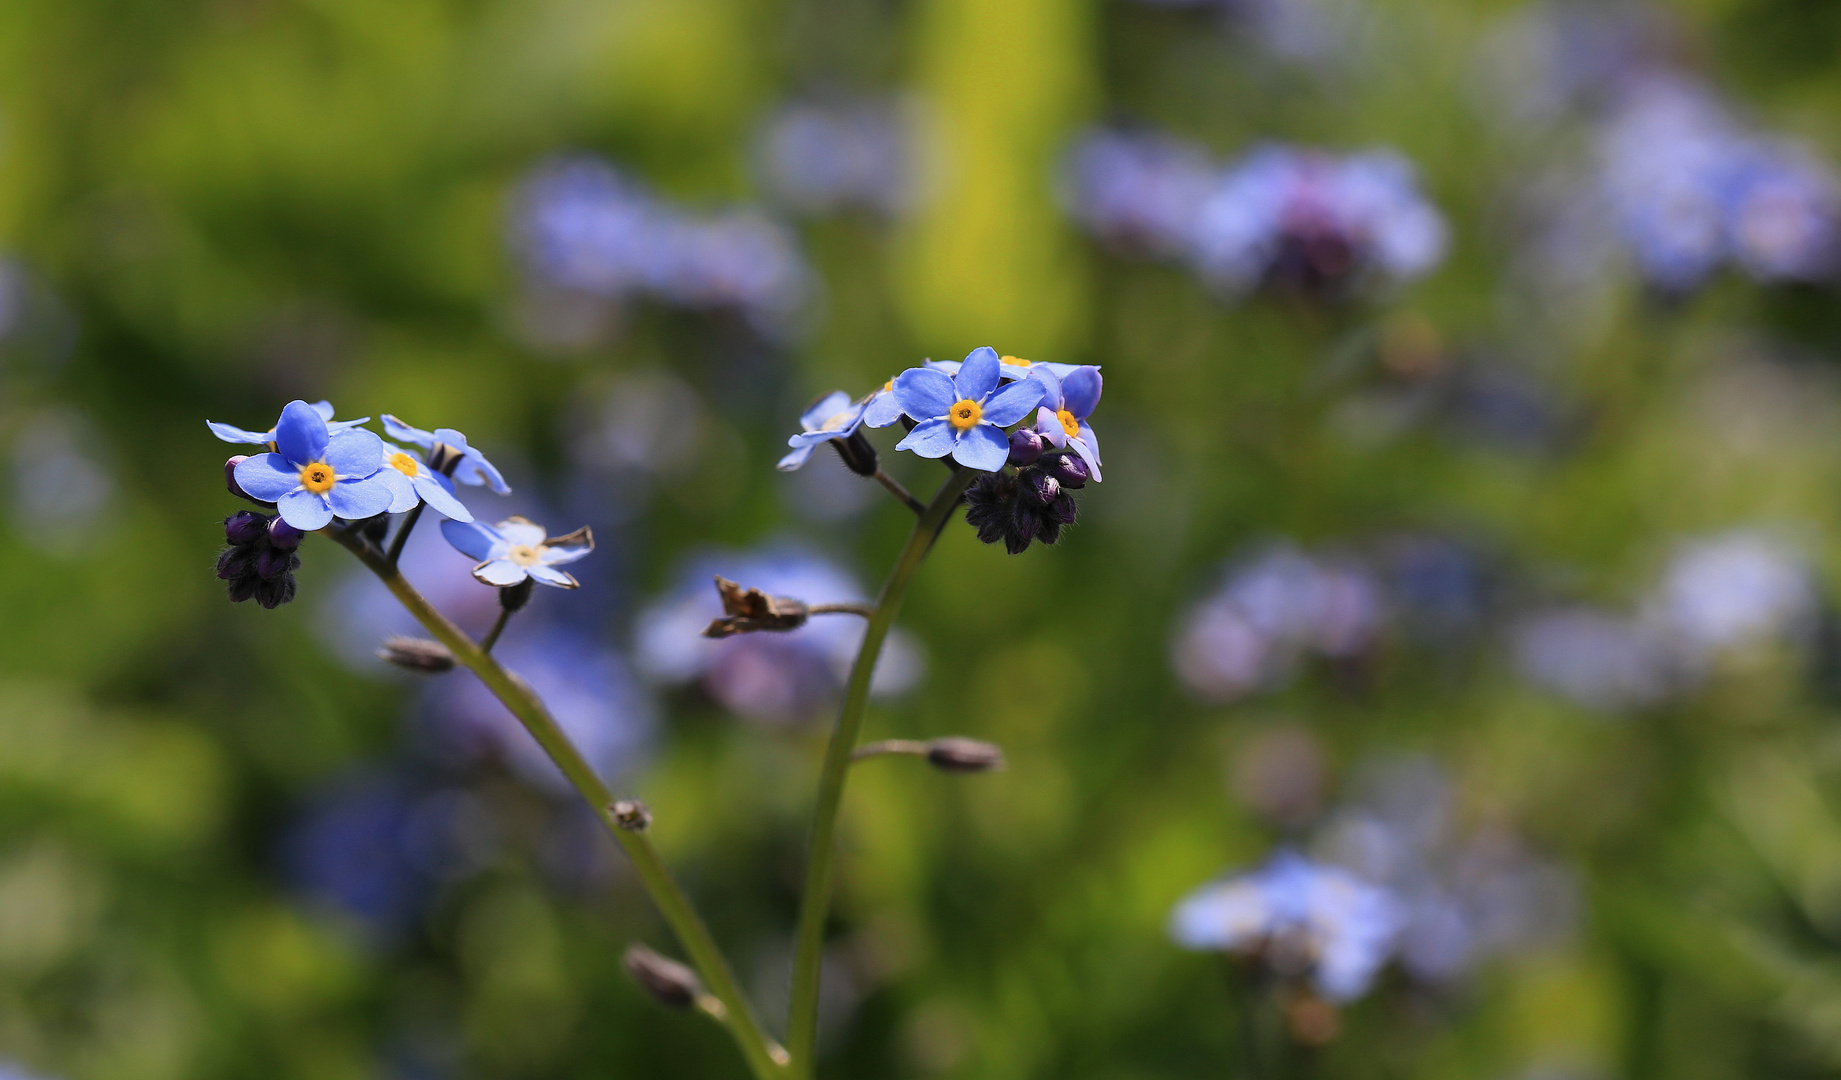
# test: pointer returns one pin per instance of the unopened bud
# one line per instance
(1026, 447)
(1071, 472)
(632, 815)
(859, 456)
(514, 597)
(283, 535)
(667, 982)
(235, 563)
(273, 594)
(375, 528)
(230, 480)
(1038, 486)
(957, 755)
(245, 527)
(745, 611)
(416, 654)
(1063, 510)
(271, 564)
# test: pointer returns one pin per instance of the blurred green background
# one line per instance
(212, 817)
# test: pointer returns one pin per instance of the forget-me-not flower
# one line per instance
(315, 474)
(473, 469)
(833, 416)
(1014, 368)
(411, 481)
(965, 414)
(1341, 926)
(517, 549)
(1073, 397)
(232, 434)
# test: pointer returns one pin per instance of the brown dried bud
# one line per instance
(667, 982)
(1313, 1021)
(748, 610)
(632, 815)
(956, 755)
(416, 654)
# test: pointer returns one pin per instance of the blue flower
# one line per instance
(517, 549)
(1014, 368)
(411, 481)
(964, 415)
(262, 438)
(473, 469)
(1065, 425)
(1346, 926)
(317, 475)
(833, 416)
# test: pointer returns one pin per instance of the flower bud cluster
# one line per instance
(261, 559)
(1032, 505)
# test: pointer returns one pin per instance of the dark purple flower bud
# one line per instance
(245, 527)
(1049, 533)
(1025, 522)
(273, 594)
(859, 456)
(1063, 510)
(1025, 447)
(243, 587)
(667, 982)
(236, 563)
(1071, 472)
(987, 506)
(1038, 487)
(272, 564)
(375, 528)
(514, 597)
(230, 480)
(283, 535)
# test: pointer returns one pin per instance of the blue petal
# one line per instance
(932, 439)
(403, 496)
(924, 393)
(1013, 402)
(824, 409)
(473, 539)
(300, 434)
(346, 425)
(983, 447)
(399, 430)
(451, 437)
(267, 477)
(978, 374)
(355, 500)
(354, 455)
(552, 576)
(1051, 385)
(324, 408)
(883, 409)
(500, 572)
(237, 434)
(475, 470)
(791, 462)
(1080, 392)
(559, 550)
(434, 489)
(304, 510)
(1088, 450)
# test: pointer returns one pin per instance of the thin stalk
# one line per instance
(766, 1059)
(815, 904)
(498, 627)
(908, 747)
(402, 535)
(900, 492)
(864, 610)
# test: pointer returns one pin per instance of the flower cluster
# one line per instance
(825, 158)
(583, 227)
(961, 411)
(318, 472)
(1688, 189)
(1282, 215)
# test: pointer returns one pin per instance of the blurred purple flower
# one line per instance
(1594, 659)
(1138, 193)
(824, 158)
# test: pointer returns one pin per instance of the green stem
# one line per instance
(402, 536)
(498, 627)
(767, 1060)
(815, 904)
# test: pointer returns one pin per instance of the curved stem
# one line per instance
(864, 610)
(900, 492)
(402, 535)
(815, 904)
(498, 627)
(767, 1060)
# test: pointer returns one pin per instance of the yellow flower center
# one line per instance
(522, 554)
(1014, 361)
(318, 477)
(965, 414)
(405, 464)
(887, 386)
(835, 421)
(1068, 423)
